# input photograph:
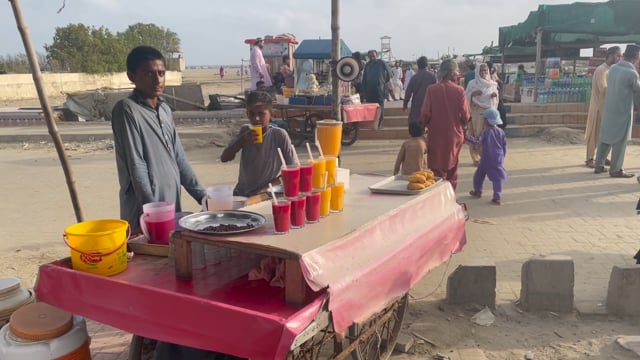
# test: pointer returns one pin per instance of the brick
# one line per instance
(473, 283)
(547, 284)
(404, 344)
(624, 291)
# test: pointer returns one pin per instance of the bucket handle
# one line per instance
(66, 241)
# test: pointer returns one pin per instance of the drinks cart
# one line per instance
(346, 280)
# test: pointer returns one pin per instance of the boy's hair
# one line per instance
(259, 83)
(140, 55)
(416, 129)
(259, 97)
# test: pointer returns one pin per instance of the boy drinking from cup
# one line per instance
(259, 162)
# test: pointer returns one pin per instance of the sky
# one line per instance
(212, 32)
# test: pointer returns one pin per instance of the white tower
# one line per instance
(385, 48)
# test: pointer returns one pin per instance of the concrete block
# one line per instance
(547, 284)
(404, 344)
(624, 291)
(473, 283)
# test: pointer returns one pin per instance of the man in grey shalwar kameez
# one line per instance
(151, 162)
(622, 87)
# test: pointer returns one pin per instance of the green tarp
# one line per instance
(577, 24)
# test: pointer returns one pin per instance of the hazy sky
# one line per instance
(213, 31)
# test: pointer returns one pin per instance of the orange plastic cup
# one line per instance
(258, 130)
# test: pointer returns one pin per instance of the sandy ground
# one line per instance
(36, 209)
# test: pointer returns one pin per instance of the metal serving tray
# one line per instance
(397, 185)
(198, 222)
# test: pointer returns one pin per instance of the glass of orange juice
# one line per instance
(325, 202)
(337, 197)
(319, 168)
(331, 169)
(258, 130)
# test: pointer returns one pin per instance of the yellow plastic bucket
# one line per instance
(98, 246)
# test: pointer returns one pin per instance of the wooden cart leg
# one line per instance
(295, 287)
(182, 248)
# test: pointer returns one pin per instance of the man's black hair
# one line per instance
(140, 55)
(632, 51)
(416, 129)
(422, 62)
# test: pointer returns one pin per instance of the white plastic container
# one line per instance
(64, 338)
(12, 297)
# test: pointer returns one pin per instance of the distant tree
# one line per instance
(159, 37)
(79, 48)
(19, 63)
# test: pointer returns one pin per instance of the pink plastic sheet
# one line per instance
(382, 260)
(235, 316)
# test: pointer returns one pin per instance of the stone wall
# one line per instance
(20, 86)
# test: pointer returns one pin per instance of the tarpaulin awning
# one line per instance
(319, 49)
(577, 24)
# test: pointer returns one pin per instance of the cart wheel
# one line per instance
(349, 134)
(319, 347)
(141, 348)
(378, 336)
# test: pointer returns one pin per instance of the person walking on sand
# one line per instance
(259, 69)
(445, 113)
(596, 104)
(376, 75)
(482, 93)
(417, 90)
(494, 149)
(623, 85)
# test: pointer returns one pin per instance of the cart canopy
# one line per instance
(319, 49)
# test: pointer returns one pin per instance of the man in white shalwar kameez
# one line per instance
(623, 85)
(596, 104)
(258, 65)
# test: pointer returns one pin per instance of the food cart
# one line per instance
(345, 279)
(301, 119)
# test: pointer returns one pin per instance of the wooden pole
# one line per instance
(335, 56)
(44, 103)
(538, 63)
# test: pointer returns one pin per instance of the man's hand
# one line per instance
(261, 76)
(476, 93)
(494, 95)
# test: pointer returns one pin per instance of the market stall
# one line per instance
(345, 274)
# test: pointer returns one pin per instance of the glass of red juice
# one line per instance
(298, 211)
(313, 207)
(281, 211)
(306, 178)
(291, 180)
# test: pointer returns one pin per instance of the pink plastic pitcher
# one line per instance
(158, 221)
